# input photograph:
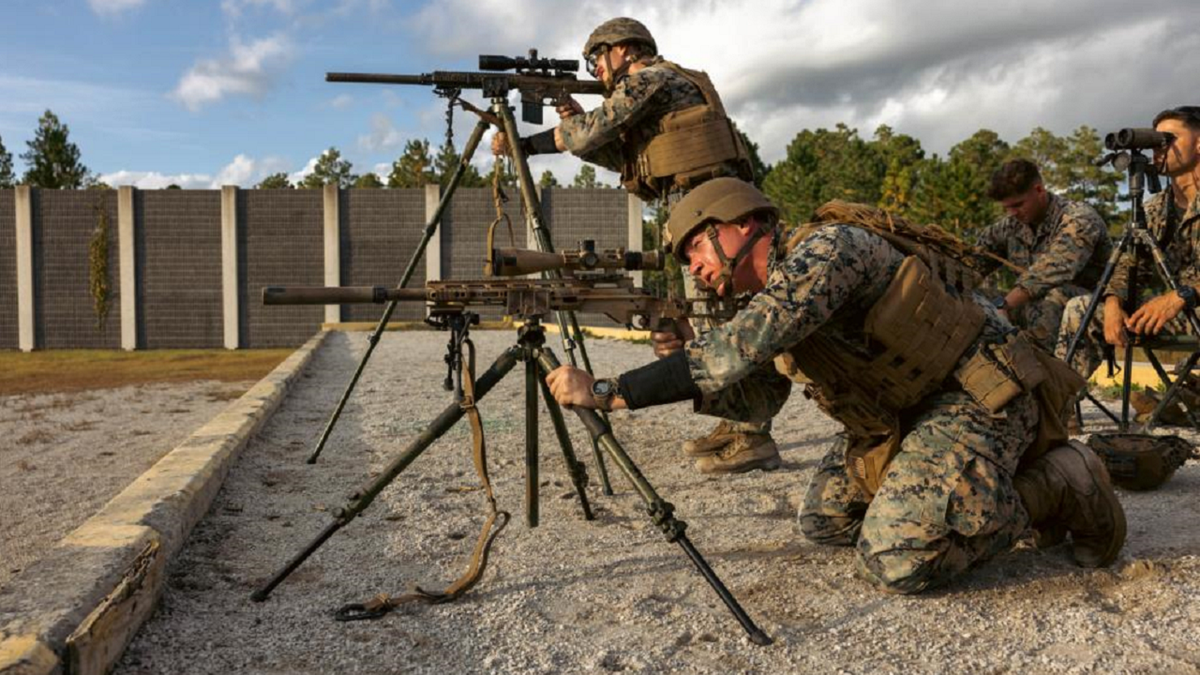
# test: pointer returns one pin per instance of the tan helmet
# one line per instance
(618, 30)
(720, 200)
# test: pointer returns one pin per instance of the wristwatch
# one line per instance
(1188, 293)
(1000, 303)
(604, 391)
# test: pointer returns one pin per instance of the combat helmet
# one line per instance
(616, 31)
(720, 200)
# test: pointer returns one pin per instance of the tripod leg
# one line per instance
(575, 468)
(430, 229)
(568, 324)
(661, 511)
(363, 497)
(531, 440)
(1172, 389)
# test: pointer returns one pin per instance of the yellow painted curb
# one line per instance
(27, 655)
(1143, 376)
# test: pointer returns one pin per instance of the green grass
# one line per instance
(72, 370)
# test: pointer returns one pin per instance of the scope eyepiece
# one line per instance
(1138, 139)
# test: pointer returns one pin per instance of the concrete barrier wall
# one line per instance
(63, 223)
(178, 249)
(281, 244)
(8, 271)
(198, 259)
(380, 229)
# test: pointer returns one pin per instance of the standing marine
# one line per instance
(663, 128)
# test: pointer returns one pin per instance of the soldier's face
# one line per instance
(1029, 207)
(1183, 154)
(704, 264)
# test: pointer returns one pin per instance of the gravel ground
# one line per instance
(612, 595)
(63, 456)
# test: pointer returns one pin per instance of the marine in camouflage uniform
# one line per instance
(614, 135)
(1177, 232)
(1063, 251)
(950, 497)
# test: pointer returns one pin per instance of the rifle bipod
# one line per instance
(539, 362)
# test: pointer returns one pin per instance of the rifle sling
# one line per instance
(382, 603)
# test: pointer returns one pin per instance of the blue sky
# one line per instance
(211, 92)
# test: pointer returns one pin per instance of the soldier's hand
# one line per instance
(1151, 317)
(568, 108)
(1114, 325)
(669, 342)
(500, 144)
(571, 386)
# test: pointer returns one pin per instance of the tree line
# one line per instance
(889, 169)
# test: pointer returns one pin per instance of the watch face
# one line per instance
(602, 388)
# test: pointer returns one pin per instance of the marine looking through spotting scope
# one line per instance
(1137, 139)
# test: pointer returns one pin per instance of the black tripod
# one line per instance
(572, 334)
(1139, 241)
(539, 361)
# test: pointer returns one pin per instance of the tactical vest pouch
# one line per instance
(689, 146)
(924, 329)
(692, 146)
(868, 457)
(998, 372)
(1055, 395)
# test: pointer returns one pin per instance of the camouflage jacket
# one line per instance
(827, 283)
(1177, 233)
(1069, 246)
(637, 102)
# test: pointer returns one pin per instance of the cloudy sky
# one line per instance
(212, 92)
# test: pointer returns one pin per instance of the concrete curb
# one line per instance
(76, 610)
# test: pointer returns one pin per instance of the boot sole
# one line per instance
(767, 465)
(1101, 472)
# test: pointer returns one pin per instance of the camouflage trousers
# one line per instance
(1089, 354)
(1040, 320)
(947, 501)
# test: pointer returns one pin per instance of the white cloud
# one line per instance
(248, 69)
(936, 69)
(309, 167)
(243, 171)
(383, 136)
(341, 101)
(234, 8)
(113, 7)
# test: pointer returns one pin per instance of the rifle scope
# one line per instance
(493, 62)
(1137, 139)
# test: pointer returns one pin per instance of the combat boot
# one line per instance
(746, 452)
(1069, 487)
(716, 440)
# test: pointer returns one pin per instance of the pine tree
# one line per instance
(414, 168)
(276, 181)
(7, 178)
(586, 178)
(368, 180)
(53, 160)
(330, 169)
(446, 163)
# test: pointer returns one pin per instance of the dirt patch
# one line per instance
(58, 371)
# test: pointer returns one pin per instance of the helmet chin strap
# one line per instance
(729, 265)
(614, 74)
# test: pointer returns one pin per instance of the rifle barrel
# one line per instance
(327, 295)
(379, 78)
